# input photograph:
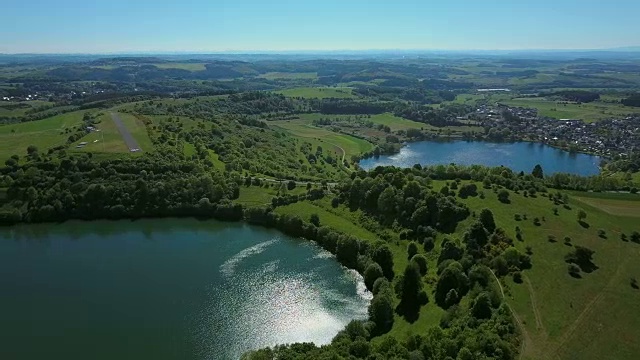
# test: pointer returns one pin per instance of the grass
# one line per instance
(589, 112)
(138, 130)
(343, 145)
(182, 66)
(571, 310)
(109, 139)
(593, 317)
(28, 105)
(613, 206)
(388, 119)
(261, 196)
(318, 92)
(289, 76)
(44, 134)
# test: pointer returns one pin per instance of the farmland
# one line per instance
(289, 76)
(318, 92)
(589, 112)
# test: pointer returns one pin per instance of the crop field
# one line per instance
(589, 112)
(344, 145)
(289, 76)
(318, 92)
(44, 134)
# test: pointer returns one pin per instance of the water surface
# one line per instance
(519, 156)
(169, 289)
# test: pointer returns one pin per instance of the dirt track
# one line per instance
(129, 140)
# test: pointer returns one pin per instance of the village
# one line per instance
(608, 138)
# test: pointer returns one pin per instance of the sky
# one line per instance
(116, 26)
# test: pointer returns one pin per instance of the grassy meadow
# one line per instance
(289, 76)
(318, 92)
(45, 134)
(343, 145)
(589, 112)
(562, 317)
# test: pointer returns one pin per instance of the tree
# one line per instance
(452, 298)
(582, 257)
(412, 249)
(452, 277)
(387, 203)
(581, 215)
(31, 150)
(481, 307)
(503, 196)
(381, 310)
(315, 219)
(372, 273)
(382, 255)
(347, 251)
(291, 185)
(486, 218)
(421, 261)
(635, 237)
(537, 172)
(411, 289)
(429, 244)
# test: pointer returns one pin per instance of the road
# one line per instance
(129, 140)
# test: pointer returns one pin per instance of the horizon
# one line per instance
(623, 49)
(250, 26)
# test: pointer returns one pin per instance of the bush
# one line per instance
(602, 233)
(315, 220)
(503, 196)
(574, 270)
(517, 277)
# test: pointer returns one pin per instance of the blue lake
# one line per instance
(519, 156)
(167, 289)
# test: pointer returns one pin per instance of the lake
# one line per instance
(519, 156)
(166, 289)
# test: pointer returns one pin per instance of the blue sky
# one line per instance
(81, 26)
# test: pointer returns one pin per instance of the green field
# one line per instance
(565, 317)
(318, 92)
(289, 76)
(28, 105)
(182, 66)
(345, 146)
(562, 317)
(45, 134)
(589, 112)
(109, 139)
